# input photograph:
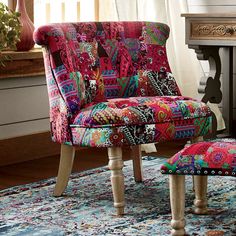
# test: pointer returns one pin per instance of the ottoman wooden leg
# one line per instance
(200, 202)
(177, 202)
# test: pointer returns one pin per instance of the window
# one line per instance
(29, 5)
(4, 1)
(44, 12)
(48, 11)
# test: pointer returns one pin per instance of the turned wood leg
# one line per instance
(117, 178)
(137, 162)
(177, 202)
(200, 202)
(65, 167)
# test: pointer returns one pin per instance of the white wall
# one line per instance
(204, 6)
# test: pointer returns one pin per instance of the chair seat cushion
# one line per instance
(137, 120)
(217, 157)
(140, 110)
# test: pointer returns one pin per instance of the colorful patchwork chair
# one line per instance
(110, 85)
(199, 159)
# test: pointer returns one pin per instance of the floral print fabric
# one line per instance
(110, 74)
(217, 157)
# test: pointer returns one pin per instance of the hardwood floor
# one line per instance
(87, 158)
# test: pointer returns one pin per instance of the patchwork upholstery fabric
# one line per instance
(217, 157)
(136, 120)
(104, 76)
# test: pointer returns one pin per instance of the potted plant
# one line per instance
(9, 30)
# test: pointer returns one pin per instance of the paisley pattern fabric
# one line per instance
(102, 75)
(216, 157)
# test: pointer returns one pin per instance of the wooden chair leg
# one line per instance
(177, 201)
(137, 162)
(65, 167)
(197, 139)
(200, 202)
(117, 178)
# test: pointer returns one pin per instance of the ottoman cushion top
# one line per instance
(216, 157)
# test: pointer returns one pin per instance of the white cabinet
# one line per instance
(24, 106)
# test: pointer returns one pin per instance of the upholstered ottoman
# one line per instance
(200, 159)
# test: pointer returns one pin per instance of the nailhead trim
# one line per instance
(198, 172)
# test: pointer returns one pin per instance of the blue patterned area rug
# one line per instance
(87, 207)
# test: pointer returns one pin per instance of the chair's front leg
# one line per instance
(200, 202)
(117, 178)
(136, 155)
(177, 202)
(65, 167)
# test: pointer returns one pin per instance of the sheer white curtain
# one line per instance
(51, 11)
(183, 61)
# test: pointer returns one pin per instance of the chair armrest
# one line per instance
(60, 115)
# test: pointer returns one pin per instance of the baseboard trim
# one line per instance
(25, 148)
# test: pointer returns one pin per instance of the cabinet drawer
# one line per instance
(23, 104)
(212, 30)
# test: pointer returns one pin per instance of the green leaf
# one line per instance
(10, 28)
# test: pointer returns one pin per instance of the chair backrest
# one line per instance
(95, 61)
